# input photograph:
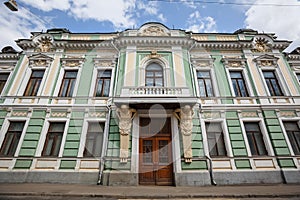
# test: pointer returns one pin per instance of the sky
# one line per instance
(86, 16)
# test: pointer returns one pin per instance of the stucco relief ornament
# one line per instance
(261, 45)
(45, 44)
(185, 116)
(125, 116)
(154, 31)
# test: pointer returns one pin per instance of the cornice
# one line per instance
(9, 56)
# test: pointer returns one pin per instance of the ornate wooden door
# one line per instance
(155, 152)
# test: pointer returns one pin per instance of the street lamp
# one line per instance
(12, 5)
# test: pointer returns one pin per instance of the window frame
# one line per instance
(32, 79)
(287, 139)
(154, 77)
(5, 128)
(74, 81)
(44, 133)
(7, 79)
(84, 135)
(244, 81)
(226, 138)
(89, 155)
(277, 79)
(211, 82)
(103, 78)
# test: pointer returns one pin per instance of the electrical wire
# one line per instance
(227, 3)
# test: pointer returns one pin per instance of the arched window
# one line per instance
(154, 75)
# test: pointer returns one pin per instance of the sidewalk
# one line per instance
(152, 192)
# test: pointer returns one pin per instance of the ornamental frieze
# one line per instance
(40, 60)
(234, 61)
(72, 61)
(261, 45)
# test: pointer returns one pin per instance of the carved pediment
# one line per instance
(154, 29)
(234, 61)
(104, 62)
(72, 61)
(201, 61)
(266, 60)
(40, 60)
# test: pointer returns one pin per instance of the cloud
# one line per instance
(189, 4)
(18, 25)
(48, 5)
(282, 20)
(199, 24)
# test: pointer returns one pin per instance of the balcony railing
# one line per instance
(155, 92)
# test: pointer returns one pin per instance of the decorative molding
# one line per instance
(153, 30)
(261, 45)
(105, 62)
(97, 114)
(44, 43)
(249, 114)
(233, 62)
(72, 61)
(266, 61)
(16, 113)
(40, 60)
(211, 115)
(201, 61)
(59, 114)
(287, 114)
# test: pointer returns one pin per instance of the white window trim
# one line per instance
(7, 80)
(246, 80)
(94, 80)
(44, 133)
(27, 76)
(225, 135)
(5, 127)
(162, 62)
(213, 81)
(278, 77)
(84, 133)
(264, 132)
(281, 120)
(60, 79)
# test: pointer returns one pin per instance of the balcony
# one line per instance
(155, 92)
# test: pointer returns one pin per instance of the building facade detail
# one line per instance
(150, 106)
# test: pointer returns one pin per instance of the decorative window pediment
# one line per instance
(201, 61)
(234, 62)
(106, 62)
(266, 61)
(72, 62)
(40, 60)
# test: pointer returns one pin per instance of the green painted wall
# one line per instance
(113, 147)
(275, 132)
(85, 80)
(33, 133)
(197, 147)
(235, 134)
(187, 72)
(120, 69)
(222, 81)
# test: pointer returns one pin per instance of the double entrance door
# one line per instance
(155, 152)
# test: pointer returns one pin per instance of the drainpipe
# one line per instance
(116, 70)
(104, 148)
(191, 68)
(210, 168)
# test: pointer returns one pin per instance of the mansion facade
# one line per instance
(150, 106)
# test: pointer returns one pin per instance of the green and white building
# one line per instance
(153, 106)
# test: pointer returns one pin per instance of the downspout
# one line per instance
(191, 68)
(210, 169)
(116, 70)
(104, 148)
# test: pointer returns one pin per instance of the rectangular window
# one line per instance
(34, 83)
(255, 139)
(103, 83)
(215, 139)
(205, 84)
(94, 138)
(298, 77)
(272, 83)
(68, 83)
(238, 84)
(53, 139)
(3, 79)
(12, 138)
(293, 133)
